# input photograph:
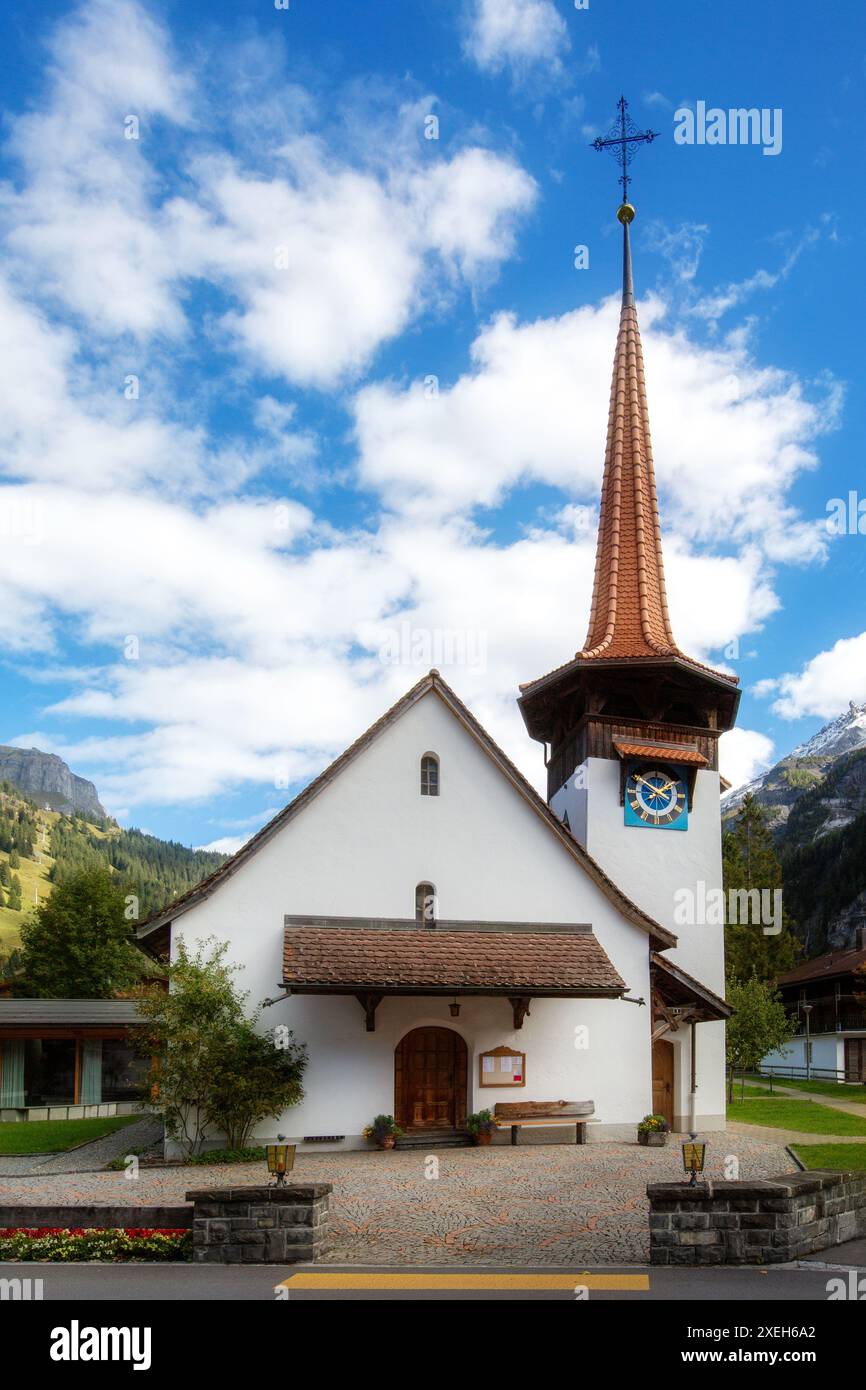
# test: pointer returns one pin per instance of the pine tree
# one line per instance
(14, 903)
(14, 859)
(749, 861)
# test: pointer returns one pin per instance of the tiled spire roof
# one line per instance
(629, 614)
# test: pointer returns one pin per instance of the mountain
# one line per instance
(39, 846)
(804, 769)
(46, 778)
(815, 800)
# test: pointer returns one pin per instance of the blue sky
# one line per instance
(298, 402)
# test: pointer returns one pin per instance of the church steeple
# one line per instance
(629, 685)
(629, 613)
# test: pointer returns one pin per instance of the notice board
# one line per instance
(502, 1066)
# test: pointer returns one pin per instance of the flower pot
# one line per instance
(652, 1138)
(387, 1141)
(483, 1137)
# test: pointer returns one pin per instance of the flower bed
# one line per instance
(112, 1246)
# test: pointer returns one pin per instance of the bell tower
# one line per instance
(630, 723)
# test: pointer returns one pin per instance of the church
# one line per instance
(443, 938)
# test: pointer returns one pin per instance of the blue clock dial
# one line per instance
(656, 797)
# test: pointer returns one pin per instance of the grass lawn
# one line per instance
(809, 1116)
(842, 1157)
(53, 1136)
(823, 1088)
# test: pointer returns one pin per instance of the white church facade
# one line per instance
(420, 909)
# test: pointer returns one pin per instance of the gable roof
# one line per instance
(829, 966)
(432, 683)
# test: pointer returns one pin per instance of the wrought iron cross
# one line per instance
(621, 141)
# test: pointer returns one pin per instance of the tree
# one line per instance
(14, 859)
(4, 873)
(759, 1025)
(14, 903)
(750, 862)
(214, 1069)
(78, 944)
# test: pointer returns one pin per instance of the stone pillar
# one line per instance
(761, 1221)
(260, 1225)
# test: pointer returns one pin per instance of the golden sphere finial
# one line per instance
(625, 213)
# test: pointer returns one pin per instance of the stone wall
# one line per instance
(758, 1222)
(96, 1218)
(260, 1225)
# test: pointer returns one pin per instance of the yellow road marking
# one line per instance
(338, 1280)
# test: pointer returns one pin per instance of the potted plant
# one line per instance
(384, 1131)
(653, 1130)
(481, 1126)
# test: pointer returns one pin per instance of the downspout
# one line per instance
(694, 1082)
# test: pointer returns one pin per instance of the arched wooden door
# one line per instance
(663, 1079)
(430, 1077)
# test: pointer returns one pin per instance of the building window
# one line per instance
(429, 775)
(425, 903)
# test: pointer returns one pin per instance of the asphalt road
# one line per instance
(76, 1283)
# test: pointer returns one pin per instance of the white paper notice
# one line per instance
(487, 1063)
(505, 1063)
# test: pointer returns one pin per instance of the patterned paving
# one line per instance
(537, 1205)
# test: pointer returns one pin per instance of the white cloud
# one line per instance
(260, 626)
(516, 33)
(226, 844)
(743, 755)
(729, 436)
(827, 683)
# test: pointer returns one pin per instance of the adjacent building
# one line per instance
(827, 997)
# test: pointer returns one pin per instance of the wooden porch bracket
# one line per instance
(370, 1003)
(520, 1005)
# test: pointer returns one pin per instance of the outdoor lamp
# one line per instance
(693, 1159)
(281, 1158)
(454, 1009)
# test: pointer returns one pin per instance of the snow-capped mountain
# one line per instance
(815, 800)
(844, 733)
(803, 768)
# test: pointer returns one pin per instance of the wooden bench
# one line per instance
(545, 1112)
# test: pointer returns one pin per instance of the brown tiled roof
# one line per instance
(427, 959)
(830, 964)
(665, 752)
(629, 617)
(629, 614)
(660, 935)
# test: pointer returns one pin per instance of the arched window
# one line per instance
(425, 903)
(429, 775)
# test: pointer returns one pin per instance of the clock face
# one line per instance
(656, 797)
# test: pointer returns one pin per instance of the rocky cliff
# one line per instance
(46, 778)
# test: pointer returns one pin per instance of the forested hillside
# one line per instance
(39, 846)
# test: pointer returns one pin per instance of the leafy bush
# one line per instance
(482, 1122)
(653, 1124)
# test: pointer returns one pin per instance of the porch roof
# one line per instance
(676, 989)
(341, 956)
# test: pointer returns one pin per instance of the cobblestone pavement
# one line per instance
(551, 1204)
(88, 1157)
